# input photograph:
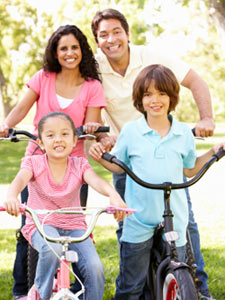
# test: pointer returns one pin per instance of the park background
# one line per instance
(191, 29)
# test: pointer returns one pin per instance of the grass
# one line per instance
(106, 244)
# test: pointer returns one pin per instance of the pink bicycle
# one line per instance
(61, 288)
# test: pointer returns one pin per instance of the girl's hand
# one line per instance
(116, 200)
(4, 130)
(12, 206)
(216, 148)
(96, 150)
(91, 127)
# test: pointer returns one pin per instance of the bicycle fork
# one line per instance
(62, 286)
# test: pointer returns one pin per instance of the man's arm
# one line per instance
(201, 95)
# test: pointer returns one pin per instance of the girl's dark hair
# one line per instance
(88, 65)
(106, 14)
(54, 114)
(165, 81)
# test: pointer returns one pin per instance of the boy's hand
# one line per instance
(216, 148)
(96, 151)
(116, 200)
(12, 206)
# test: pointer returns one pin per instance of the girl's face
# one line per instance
(155, 103)
(57, 138)
(68, 52)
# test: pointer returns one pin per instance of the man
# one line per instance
(119, 64)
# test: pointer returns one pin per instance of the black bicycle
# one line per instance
(23, 135)
(168, 278)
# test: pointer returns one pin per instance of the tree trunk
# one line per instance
(218, 12)
(5, 99)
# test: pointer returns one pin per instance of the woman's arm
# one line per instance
(19, 112)
(11, 204)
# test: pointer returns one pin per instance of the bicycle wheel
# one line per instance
(179, 285)
(32, 258)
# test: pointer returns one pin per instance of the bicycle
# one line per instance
(61, 288)
(168, 279)
(23, 135)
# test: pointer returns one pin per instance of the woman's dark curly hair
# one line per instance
(164, 80)
(88, 66)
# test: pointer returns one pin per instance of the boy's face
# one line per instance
(113, 40)
(155, 102)
(57, 138)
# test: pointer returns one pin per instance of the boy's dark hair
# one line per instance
(106, 14)
(54, 114)
(165, 81)
(88, 65)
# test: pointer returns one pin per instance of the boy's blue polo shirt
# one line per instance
(155, 160)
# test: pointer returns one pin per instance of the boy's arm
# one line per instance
(12, 202)
(96, 151)
(201, 160)
(104, 188)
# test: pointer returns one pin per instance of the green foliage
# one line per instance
(22, 38)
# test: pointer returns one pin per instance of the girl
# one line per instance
(68, 82)
(158, 149)
(54, 181)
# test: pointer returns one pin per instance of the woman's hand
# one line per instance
(12, 206)
(4, 130)
(91, 127)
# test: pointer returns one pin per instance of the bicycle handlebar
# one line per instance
(80, 133)
(94, 213)
(163, 186)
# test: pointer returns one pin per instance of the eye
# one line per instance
(147, 94)
(64, 48)
(103, 35)
(75, 47)
(50, 135)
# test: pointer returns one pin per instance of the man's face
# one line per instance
(113, 39)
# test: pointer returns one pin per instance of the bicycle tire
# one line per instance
(178, 285)
(32, 258)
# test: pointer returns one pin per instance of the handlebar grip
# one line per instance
(219, 154)
(109, 157)
(2, 208)
(103, 129)
(112, 209)
(193, 131)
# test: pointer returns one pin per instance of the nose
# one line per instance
(58, 138)
(69, 51)
(111, 38)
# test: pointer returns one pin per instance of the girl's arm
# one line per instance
(104, 188)
(19, 112)
(201, 160)
(18, 184)
(96, 151)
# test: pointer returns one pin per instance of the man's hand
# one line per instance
(205, 127)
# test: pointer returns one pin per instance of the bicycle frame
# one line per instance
(62, 287)
(168, 262)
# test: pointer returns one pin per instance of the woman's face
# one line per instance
(68, 52)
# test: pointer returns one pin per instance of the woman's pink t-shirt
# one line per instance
(90, 95)
(44, 193)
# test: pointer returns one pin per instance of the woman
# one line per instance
(68, 82)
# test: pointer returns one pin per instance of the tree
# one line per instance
(22, 38)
